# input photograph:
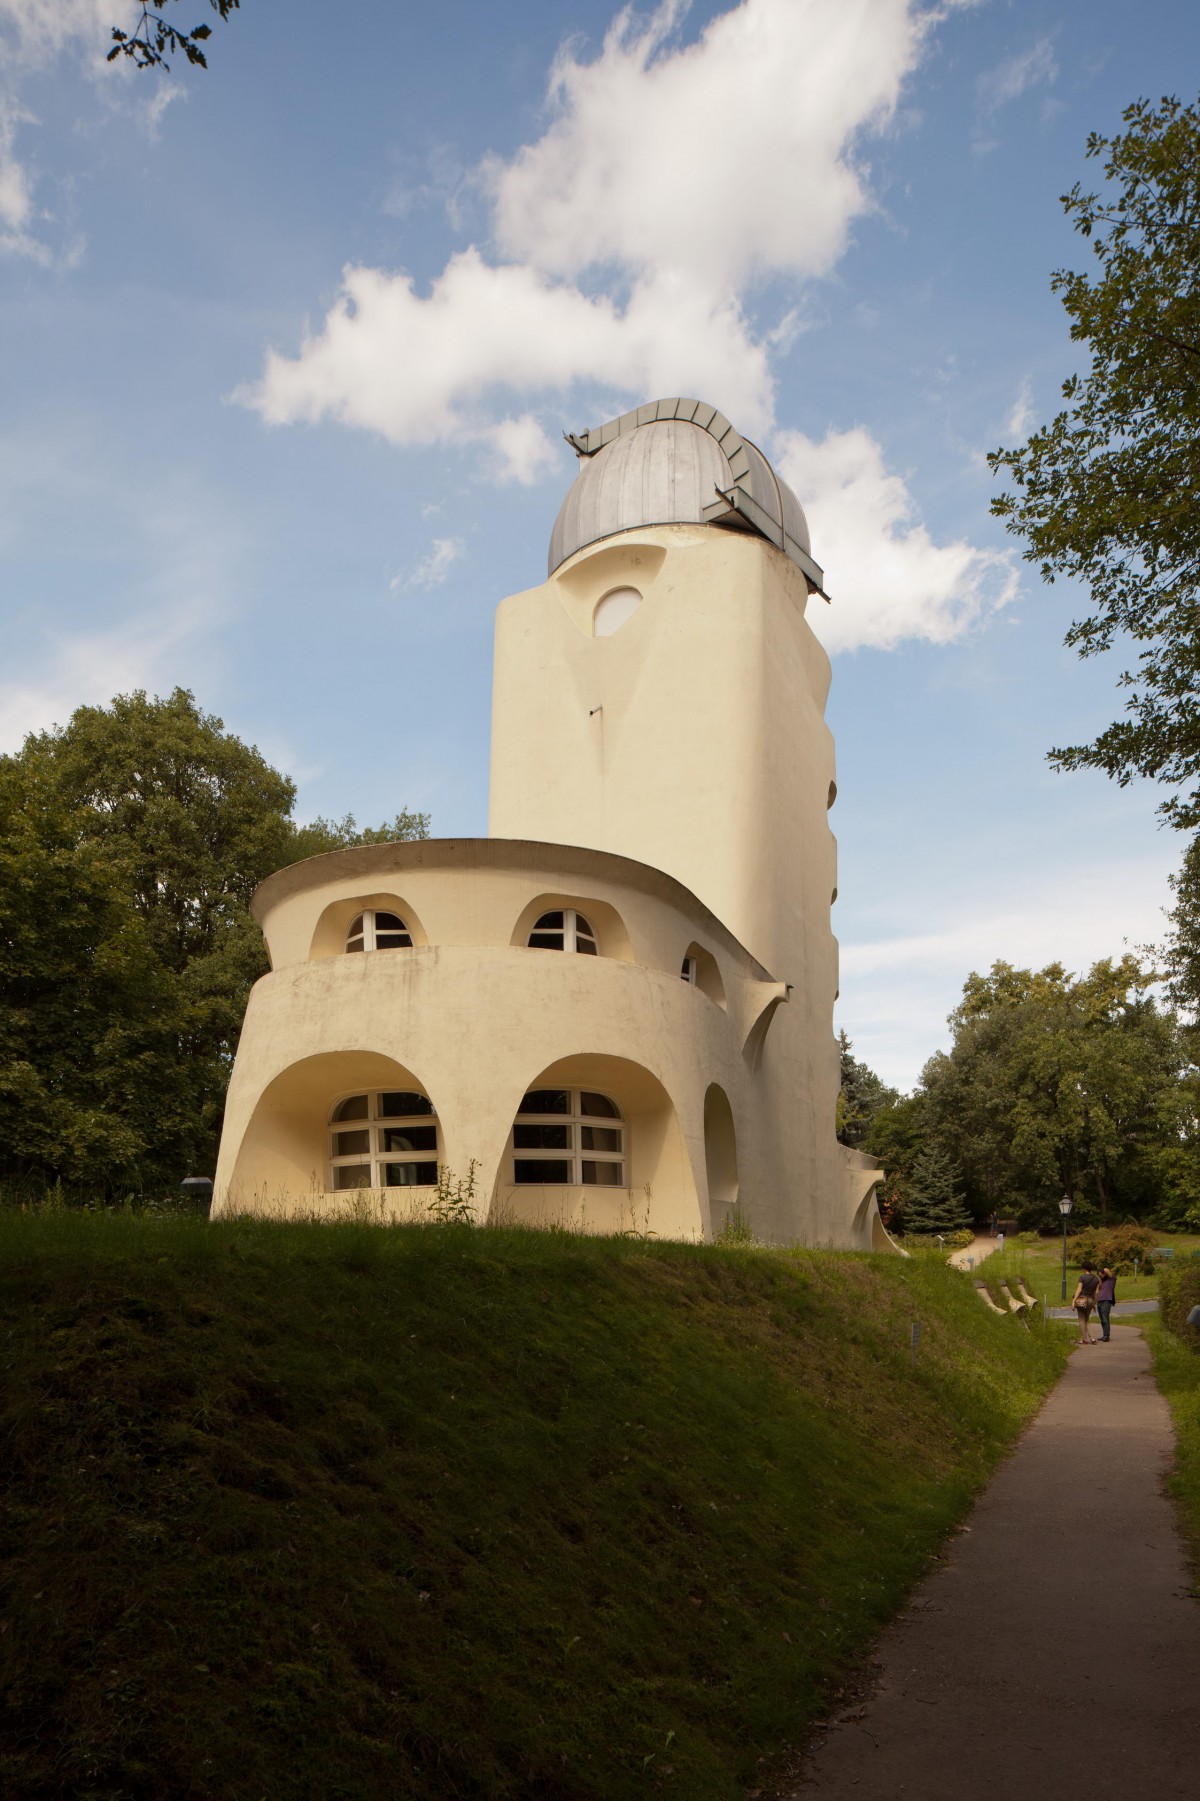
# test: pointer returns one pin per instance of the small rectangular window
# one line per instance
(542, 1169)
(352, 1175)
(601, 1138)
(351, 1144)
(408, 1138)
(542, 1138)
(603, 1175)
(409, 1175)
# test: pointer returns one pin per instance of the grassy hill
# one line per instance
(323, 1512)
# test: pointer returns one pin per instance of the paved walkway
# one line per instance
(1057, 1647)
(973, 1254)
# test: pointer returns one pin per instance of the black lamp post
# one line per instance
(1064, 1207)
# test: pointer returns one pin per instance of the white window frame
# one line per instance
(575, 926)
(576, 1122)
(688, 971)
(376, 1123)
(371, 931)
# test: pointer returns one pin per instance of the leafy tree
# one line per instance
(934, 1201)
(895, 1137)
(1057, 1083)
(155, 39)
(119, 1012)
(1106, 492)
(862, 1095)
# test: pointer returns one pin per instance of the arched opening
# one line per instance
(554, 922)
(596, 1144)
(720, 1154)
(365, 922)
(329, 1128)
(701, 969)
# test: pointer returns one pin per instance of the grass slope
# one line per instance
(1177, 1372)
(332, 1512)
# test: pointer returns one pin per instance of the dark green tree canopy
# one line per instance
(1106, 492)
(131, 841)
(861, 1097)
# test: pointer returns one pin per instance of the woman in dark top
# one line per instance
(1084, 1299)
(1106, 1294)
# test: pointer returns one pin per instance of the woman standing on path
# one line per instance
(1106, 1294)
(1084, 1299)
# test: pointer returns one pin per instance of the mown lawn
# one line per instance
(1041, 1265)
(343, 1512)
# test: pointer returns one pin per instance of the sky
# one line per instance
(287, 348)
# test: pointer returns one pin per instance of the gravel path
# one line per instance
(1057, 1646)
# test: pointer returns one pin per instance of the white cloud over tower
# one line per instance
(629, 244)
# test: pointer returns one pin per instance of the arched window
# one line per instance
(563, 930)
(571, 1136)
(688, 972)
(374, 931)
(385, 1139)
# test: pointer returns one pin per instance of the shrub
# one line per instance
(1115, 1247)
(933, 1241)
(1178, 1293)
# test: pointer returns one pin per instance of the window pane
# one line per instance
(549, 922)
(351, 1144)
(582, 926)
(392, 941)
(354, 944)
(604, 1175)
(602, 1138)
(409, 1138)
(688, 972)
(542, 1169)
(546, 1100)
(352, 1175)
(586, 945)
(402, 1104)
(409, 1175)
(545, 941)
(354, 1108)
(599, 1106)
(389, 922)
(355, 928)
(542, 1138)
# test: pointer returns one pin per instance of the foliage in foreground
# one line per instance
(1178, 1293)
(131, 841)
(1177, 1372)
(444, 1513)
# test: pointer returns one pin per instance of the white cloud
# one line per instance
(673, 177)
(434, 567)
(999, 87)
(1042, 907)
(33, 35)
(888, 578)
(1021, 416)
(1010, 79)
(88, 669)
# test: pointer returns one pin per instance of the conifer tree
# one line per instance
(934, 1200)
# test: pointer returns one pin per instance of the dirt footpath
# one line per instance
(1057, 1648)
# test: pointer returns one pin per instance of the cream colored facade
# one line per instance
(661, 769)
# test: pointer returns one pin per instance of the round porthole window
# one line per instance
(617, 606)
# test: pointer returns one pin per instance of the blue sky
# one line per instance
(287, 347)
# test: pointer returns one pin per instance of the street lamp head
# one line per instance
(1064, 1206)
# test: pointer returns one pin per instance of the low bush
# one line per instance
(1178, 1293)
(938, 1241)
(1115, 1247)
